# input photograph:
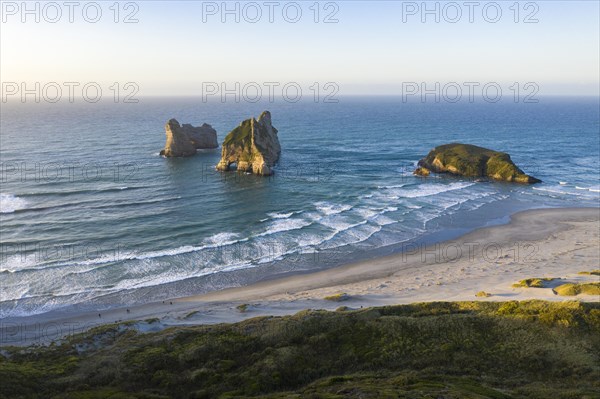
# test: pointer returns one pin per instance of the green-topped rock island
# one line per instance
(471, 161)
(253, 147)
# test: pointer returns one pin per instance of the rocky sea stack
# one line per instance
(183, 141)
(472, 161)
(253, 146)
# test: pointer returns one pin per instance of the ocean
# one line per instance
(93, 218)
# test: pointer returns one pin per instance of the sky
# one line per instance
(366, 47)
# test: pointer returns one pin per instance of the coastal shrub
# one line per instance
(533, 282)
(573, 289)
(592, 273)
(337, 297)
(528, 349)
(242, 308)
(483, 294)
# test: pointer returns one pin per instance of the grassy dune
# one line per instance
(533, 282)
(573, 289)
(531, 349)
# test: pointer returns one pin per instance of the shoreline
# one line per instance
(556, 242)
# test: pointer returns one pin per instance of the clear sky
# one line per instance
(372, 49)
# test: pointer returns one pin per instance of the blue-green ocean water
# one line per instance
(92, 217)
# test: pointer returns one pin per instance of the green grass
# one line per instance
(498, 350)
(533, 283)
(573, 289)
(483, 294)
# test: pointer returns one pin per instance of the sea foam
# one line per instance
(10, 203)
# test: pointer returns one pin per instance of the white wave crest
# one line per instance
(433, 189)
(10, 203)
(328, 208)
(281, 225)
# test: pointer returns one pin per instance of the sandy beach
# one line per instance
(549, 243)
